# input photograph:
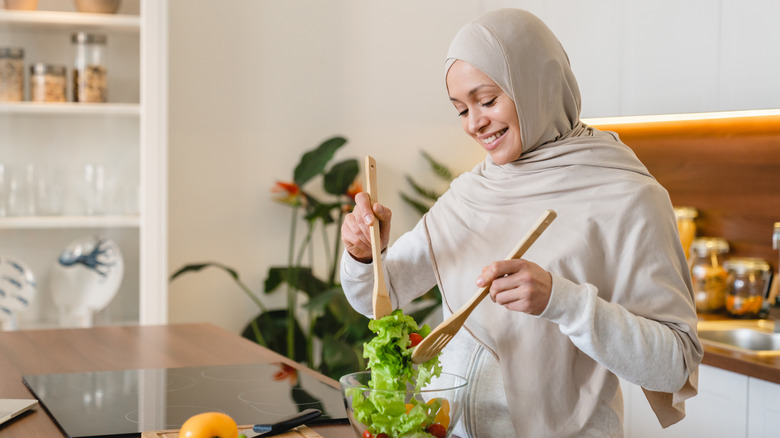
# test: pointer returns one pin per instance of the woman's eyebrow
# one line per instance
(474, 91)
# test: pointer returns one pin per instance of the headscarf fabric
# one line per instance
(615, 230)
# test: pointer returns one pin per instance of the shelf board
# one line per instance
(57, 222)
(70, 108)
(71, 20)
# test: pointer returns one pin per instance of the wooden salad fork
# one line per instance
(444, 332)
(381, 298)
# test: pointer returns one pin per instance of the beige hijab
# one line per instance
(615, 230)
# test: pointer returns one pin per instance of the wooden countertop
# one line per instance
(118, 348)
(761, 367)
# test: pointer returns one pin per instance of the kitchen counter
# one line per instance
(761, 367)
(121, 348)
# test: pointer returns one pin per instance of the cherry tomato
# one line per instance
(414, 339)
(367, 434)
(436, 430)
(382, 435)
(209, 425)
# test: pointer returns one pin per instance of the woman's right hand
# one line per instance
(355, 231)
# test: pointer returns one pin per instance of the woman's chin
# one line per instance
(499, 158)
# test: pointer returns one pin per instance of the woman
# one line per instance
(604, 293)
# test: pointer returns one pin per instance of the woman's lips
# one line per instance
(490, 143)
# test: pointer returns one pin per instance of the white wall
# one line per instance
(255, 83)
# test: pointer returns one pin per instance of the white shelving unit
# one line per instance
(127, 136)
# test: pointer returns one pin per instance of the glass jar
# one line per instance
(686, 227)
(90, 79)
(708, 274)
(47, 83)
(748, 282)
(11, 74)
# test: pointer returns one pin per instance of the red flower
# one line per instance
(289, 192)
(354, 189)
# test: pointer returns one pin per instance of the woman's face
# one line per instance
(487, 114)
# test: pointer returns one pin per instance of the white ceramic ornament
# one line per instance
(85, 278)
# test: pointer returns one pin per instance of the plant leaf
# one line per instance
(439, 169)
(320, 303)
(195, 267)
(340, 177)
(300, 278)
(313, 162)
(318, 210)
(428, 194)
(273, 327)
(419, 206)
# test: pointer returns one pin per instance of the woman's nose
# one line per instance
(477, 121)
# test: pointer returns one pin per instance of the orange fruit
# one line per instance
(209, 425)
(443, 416)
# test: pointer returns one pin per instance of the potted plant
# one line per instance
(330, 321)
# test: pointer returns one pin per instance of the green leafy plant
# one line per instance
(330, 319)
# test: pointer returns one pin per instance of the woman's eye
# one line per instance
(463, 113)
(490, 102)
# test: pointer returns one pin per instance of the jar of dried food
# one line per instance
(748, 282)
(710, 280)
(47, 83)
(11, 74)
(686, 227)
(90, 79)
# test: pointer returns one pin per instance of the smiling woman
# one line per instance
(565, 318)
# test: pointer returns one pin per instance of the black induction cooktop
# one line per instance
(128, 402)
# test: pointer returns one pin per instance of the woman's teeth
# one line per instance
(493, 137)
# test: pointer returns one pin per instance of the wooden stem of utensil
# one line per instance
(381, 298)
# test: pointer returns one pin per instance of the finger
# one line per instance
(382, 213)
(363, 208)
(385, 216)
(496, 270)
(355, 238)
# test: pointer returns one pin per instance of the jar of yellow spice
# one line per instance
(686, 226)
(710, 279)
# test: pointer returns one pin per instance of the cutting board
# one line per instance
(298, 432)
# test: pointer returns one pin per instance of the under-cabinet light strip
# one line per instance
(595, 121)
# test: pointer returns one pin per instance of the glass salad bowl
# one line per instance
(432, 411)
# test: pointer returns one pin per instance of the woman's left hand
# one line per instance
(518, 285)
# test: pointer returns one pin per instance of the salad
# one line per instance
(390, 414)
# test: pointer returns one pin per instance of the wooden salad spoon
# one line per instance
(381, 298)
(432, 344)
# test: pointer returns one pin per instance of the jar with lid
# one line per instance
(748, 282)
(90, 79)
(47, 83)
(686, 227)
(708, 274)
(11, 74)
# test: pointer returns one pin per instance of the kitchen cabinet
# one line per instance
(763, 409)
(667, 57)
(126, 137)
(719, 410)
(729, 405)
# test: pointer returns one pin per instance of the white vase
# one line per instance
(85, 278)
